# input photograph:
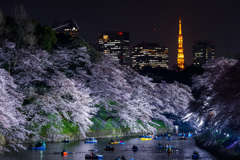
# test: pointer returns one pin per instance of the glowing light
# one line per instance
(105, 37)
(180, 58)
(227, 135)
(120, 33)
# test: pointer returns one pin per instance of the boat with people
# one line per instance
(146, 139)
(90, 140)
(93, 155)
(195, 155)
(121, 143)
(39, 145)
(114, 142)
(134, 148)
(66, 140)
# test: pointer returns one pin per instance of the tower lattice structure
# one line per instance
(180, 58)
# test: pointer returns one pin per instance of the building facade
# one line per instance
(203, 51)
(180, 58)
(149, 55)
(116, 45)
(68, 27)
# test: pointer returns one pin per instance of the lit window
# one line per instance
(105, 37)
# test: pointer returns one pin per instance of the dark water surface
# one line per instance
(147, 150)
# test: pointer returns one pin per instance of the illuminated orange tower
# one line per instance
(180, 58)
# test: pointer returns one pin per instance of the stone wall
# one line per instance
(2, 140)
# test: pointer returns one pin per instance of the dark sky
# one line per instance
(217, 20)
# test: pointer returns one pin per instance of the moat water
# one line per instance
(147, 150)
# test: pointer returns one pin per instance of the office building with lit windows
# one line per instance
(203, 51)
(149, 54)
(68, 27)
(116, 45)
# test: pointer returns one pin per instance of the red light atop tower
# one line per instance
(120, 33)
(154, 29)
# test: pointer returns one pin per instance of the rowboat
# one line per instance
(39, 145)
(195, 156)
(91, 140)
(36, 148)
(93, 155)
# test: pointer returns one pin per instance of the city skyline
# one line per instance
(214, 20)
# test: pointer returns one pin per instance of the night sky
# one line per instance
(217, 20)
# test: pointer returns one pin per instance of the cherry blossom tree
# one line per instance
(65, 84)
(217, 108)
(12, 121)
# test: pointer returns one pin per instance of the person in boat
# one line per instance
(195, 152)
(31, 146)
(169, 135)
(65, 139)
(118, 158)
(169, 149)
(159, 144)
(134, 147)
(64, 150)
(112, 140)
(123, 158)
(115, 141)
(108, 145)
(121, 141)
(183, 136)
(156, 136)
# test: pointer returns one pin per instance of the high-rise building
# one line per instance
(149, 55)
(180, 58)
(116, 45)
(69, 27)
(203, 51)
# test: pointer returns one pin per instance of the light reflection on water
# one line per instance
(147, 150)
